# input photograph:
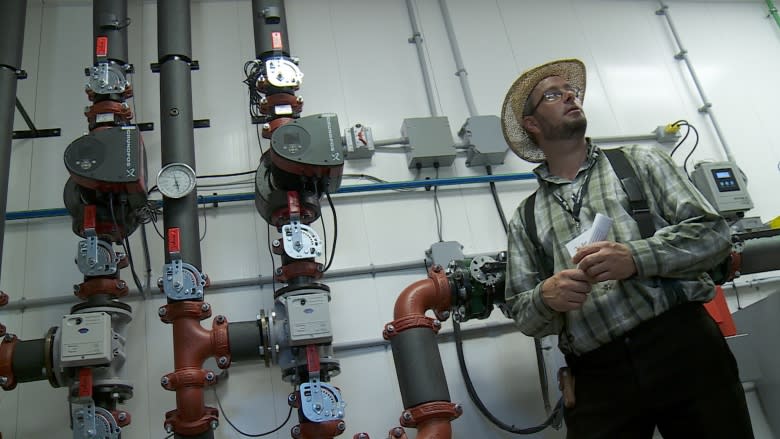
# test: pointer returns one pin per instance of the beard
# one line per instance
(565, 130)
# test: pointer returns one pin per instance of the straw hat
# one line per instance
(572, 70)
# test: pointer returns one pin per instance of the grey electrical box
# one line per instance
(309, 318)
(486, 144)
(441, 253)
(430, 142)
(724, 186)
(86, 339)
(359, 142)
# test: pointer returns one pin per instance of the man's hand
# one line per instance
(605, 260)
(566, 290)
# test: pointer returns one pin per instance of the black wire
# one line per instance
(126, 245)
(685, 163)
(205, 223)
(736, 293)
(335, 231)
(497, 202)
(233, 174)
(224, 415)
(681, 122)
(273, 262)
(437, 207)
(169, 436)
(147, 258)
(481, 406)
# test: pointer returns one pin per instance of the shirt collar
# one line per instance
(543, 172)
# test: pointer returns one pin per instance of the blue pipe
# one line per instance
(227, 198)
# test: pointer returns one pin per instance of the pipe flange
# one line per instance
(48, 356)
(431, 410)
(188, 377)
(114, 287)
(182, 427)
(319, 429)
(408, 322)
(299, 269)
(269, 104)
(122, 417)
(270, 127)
(7, 348)
(187, 309)
(397, 433)
(221, 339)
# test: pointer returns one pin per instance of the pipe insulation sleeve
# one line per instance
(174, 35)
(418, 367)
(29, 363)
(109, 19)
(245, 341)
(760, 255)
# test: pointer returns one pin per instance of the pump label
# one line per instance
(101, 46)
(276, 40)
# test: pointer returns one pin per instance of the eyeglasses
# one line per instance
(555, 94)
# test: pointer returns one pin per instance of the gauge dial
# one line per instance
(176, 180)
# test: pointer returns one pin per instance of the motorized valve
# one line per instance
(280, 72)
(182, 281)
(477, 284)
(301, 241)
(107, 78)
(321, 402)
(91, 422)
(96, 257)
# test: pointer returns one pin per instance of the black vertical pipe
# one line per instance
(270, 26)
(174, 49)
(109, 19)
(418, 367)
(12, 17)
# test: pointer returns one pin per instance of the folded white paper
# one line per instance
(597, 232)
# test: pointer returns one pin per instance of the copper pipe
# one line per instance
(432, 293)
(429, 410)
(318, 430)
(7, 348)
(434, 429)
(193, 344)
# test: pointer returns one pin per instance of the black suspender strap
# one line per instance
(530, 229)
(633, 189)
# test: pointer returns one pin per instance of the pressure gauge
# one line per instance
(176, 180)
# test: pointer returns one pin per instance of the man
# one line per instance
(643, 351)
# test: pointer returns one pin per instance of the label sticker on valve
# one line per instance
(276, 40)
(101, 46)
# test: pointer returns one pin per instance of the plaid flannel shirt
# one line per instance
(690, 239)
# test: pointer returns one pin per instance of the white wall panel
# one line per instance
(359, 64)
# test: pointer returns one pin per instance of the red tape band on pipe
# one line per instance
(174, 243)
(101, 46)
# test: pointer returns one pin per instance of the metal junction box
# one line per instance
(430, 142)
(309, 318)
(86, 339)
(486, 144)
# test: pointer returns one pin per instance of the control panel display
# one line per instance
(725, 180)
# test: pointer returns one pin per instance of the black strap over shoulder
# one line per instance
(530, 228)
(633, 189)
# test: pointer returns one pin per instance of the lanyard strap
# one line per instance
(577, 198)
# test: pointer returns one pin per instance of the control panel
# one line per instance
(86, 339)
(724, 186)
